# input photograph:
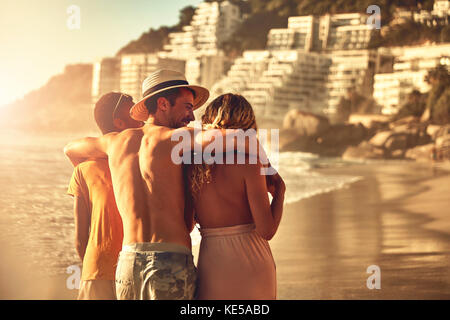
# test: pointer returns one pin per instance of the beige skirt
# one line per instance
(235, 263)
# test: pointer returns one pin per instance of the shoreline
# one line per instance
(325, 243)
(434, 177)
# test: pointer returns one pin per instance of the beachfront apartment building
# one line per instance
(350, 70)
(299, 34)
(181, 44)
(438, 16)
(392, 89)
(245, 70)
(275, 82)
(134, 68)
(347, 31)
(411, 65)
(309, 66)
(212, 24)
(199, 43)
(105, 77)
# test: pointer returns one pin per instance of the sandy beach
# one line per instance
(395, 217)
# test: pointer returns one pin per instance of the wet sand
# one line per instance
(396, 217)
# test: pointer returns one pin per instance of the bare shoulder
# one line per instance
(88, 164)
(119, 137)
(252, 166)
(244, 165)
(109, 137)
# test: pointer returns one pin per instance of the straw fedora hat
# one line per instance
(162, 80)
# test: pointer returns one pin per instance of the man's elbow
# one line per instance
(67, 150)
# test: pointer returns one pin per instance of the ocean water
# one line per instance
(36, 217)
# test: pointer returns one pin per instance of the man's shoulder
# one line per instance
(162, 133)
(126, 134)
(119, 139)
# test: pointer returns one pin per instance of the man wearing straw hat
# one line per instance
(156, 260)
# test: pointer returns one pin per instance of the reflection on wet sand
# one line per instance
(325, 243)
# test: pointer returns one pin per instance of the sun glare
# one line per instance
(4, 99)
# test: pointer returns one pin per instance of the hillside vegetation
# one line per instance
(263, 15)
(63, 104)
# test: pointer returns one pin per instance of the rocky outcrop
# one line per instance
(305, 123)
(370, 120)
(310, 133)
(421, 153)
(442, 144)
(386, 145)
(395, 142)
(343, 134)
(363, 151)
(366, 137)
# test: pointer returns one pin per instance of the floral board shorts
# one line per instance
(155, 271)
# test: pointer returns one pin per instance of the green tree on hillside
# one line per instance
(414, 106)
(185, 17)
(62, 104)
(436, 100)
(149, 42)
(410, 33)
(438, 97)
(155, 39)
(354, 102)
(264, 15)
(252, 34)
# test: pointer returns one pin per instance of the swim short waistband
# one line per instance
(156, 247)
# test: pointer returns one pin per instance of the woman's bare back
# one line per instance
(223, 202)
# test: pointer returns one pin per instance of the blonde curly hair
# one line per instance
(228, 111)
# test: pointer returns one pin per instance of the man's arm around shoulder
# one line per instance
(82, 149)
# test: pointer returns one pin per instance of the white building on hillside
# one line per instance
(105, 77)
(199, 43)
(438, 16)
(411, 64)
(275, 82)
(213, 23)
(298, 35)
(348, 31)
(350, 70)
(392, 89)
(181, 44)
(136, 67)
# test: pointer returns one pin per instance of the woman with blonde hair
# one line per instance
(236, 219)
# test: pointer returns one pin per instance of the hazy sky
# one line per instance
(36, 43)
